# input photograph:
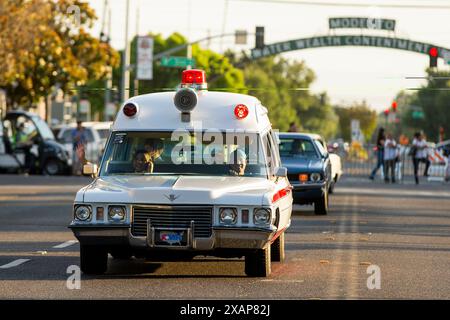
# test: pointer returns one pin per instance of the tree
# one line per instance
(358, 111)
(434, 99)
(56, 52)
(283, 86)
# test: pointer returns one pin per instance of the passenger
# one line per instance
(140, 163)
(238, 163)
(153, 149)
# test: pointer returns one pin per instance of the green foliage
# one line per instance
(283, 86)
(358, 111)
(54, 53)
(434, 98)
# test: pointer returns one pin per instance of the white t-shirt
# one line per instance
(421, 148)
(390, 152)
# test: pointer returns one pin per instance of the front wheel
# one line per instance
(52, 167)
(277, 249)
(257, 263)
(321, 206)
(94, 260)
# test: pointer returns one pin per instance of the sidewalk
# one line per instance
(408, 183)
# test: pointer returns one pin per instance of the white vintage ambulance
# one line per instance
(186, 173)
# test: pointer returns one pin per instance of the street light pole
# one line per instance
(126, 59)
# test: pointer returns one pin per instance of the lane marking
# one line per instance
(65, 244)
(13, 264)
(282, 281)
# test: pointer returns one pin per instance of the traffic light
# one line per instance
(433, 53)
(259, 38)
(386, 112)
(394, 106)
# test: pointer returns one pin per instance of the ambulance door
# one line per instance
(282, 184)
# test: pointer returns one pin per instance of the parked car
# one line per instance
(444, 146)
(97, 135)
(309, 169)
(28, 144)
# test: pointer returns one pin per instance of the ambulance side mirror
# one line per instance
(90, 169)
(281, 172)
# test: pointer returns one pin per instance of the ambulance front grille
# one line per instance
(163, 216)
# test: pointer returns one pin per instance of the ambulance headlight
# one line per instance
(116, 213)
(261, 216)
(228, 215)
(83, 213)
(185, 100)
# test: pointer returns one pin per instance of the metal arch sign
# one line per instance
(348, 40)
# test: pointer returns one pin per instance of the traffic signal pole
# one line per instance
(126, 59)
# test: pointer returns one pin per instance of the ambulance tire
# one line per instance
(277, 249)
(52, 167)
(257, 263)
(93, 259)
(321, 206)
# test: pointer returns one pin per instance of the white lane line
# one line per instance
(13, 264)
(65, 244)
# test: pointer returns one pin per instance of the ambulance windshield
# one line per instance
(184, 153)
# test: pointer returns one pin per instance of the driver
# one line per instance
(238, 163)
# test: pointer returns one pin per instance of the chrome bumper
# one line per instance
(221, 237)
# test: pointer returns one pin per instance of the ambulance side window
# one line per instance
(275, 150)
(269, 154)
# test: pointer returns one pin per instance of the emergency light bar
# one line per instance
(194, 78)
(186, 97)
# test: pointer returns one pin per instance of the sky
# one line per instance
(347, 74)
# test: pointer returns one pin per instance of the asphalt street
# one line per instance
(402, 229)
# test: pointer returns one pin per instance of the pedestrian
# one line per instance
(419, 152)
(390, 156)
(292, 127)
(79, 137)
(379, 149)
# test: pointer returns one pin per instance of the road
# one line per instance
(402, 229)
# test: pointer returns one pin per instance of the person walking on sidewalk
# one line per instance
(390, 155)
(379, 153)
(420, 154)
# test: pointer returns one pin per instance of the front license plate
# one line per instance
(171, 238)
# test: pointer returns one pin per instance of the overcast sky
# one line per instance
(347, 74)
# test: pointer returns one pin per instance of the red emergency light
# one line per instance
(241, 111)
(193, 76)
(130, 110)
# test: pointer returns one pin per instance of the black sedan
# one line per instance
(309, 169)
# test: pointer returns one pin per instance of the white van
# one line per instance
(186, 173)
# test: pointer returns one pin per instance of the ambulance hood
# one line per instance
(178, 190)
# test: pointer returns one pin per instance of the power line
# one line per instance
(331, 4)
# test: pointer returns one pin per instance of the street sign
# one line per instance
(177, 62)
(144, 58)
(240, 37)
(361, 23)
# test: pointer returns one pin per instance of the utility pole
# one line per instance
(136, 80)
(126, 59)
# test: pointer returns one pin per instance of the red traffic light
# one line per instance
(433, 52)
(394, 106)
(386, 112)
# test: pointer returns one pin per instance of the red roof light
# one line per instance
(193, 76)
(241, 111)
(130, 109)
